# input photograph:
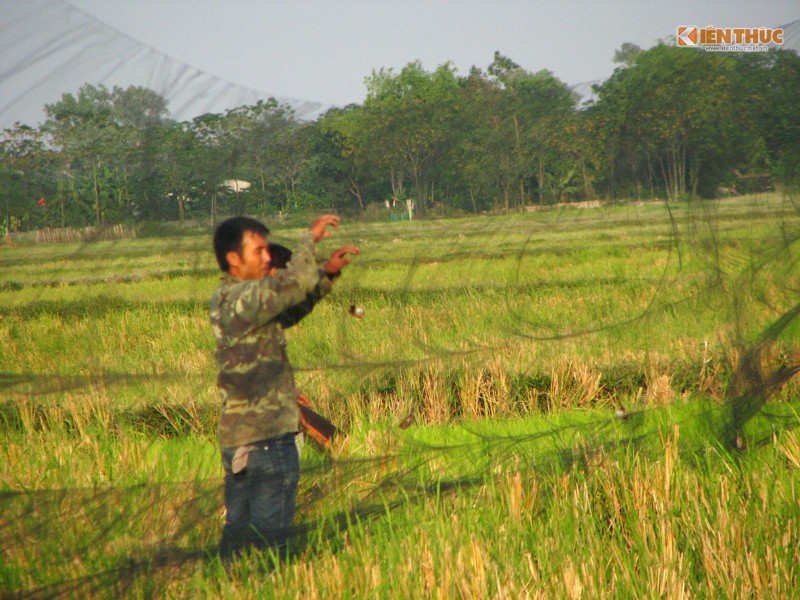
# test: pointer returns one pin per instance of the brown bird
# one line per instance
(356, 311)
(406, 423)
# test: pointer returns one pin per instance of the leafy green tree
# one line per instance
(627, 53)
(261, 144)
(215, 159)
(411, 121)
(103, 136)
(82, 127)
(180, 163)
(514, 133)
(27, 187)
(767, 85)
(671, 110)
(288, 157)
(142, 115)
(339, 169)
(470, 169)
(260, 137)
(544, 108)
(343, 138)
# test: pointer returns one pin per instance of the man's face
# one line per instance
(253, 261)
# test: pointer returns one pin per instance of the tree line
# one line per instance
(669, 123)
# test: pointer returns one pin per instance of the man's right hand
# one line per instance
(319, 228)
(339, 258)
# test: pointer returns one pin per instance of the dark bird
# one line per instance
(406, 423)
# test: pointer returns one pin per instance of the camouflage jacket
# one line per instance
(255, 381)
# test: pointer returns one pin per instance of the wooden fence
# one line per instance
(74, 234)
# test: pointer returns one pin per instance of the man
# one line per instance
(259, 399)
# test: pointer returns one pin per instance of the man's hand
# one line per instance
(319, 228)
(303, 399)
(340, 257)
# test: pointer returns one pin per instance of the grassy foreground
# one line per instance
(512, 340)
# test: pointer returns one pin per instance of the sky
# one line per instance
(322, 50)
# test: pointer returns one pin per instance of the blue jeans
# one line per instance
(260, 499)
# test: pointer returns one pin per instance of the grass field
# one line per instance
(512, 339)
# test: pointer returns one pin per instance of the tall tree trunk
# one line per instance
(397, 185)
(61, 202)
(541, 180)
(665, 175)
(651, 177)
(355, 189)
(588, 189)
(419, 185)
(262, 178)
(694, 176)
(518, 143)
(96, 190)
(472, 199)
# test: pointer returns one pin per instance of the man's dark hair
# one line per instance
(279, 256)
(228, 236)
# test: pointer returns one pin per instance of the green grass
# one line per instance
(513, 339)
